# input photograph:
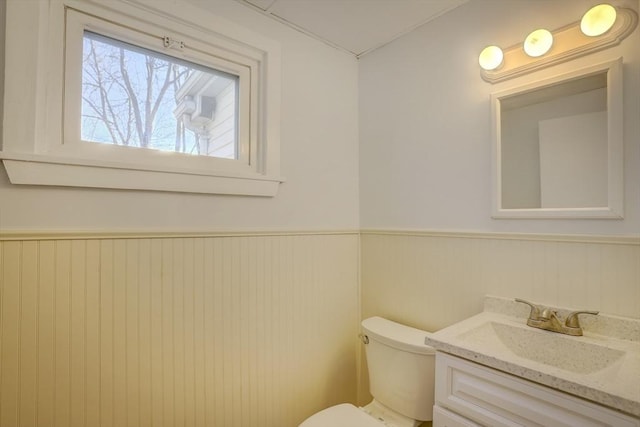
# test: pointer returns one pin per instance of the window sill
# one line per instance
(38, 169)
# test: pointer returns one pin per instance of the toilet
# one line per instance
(401, 380)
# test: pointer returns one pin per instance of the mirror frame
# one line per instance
(615, 147)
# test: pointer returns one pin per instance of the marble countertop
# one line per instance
(616, 384)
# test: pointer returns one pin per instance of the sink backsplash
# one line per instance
(602, 324)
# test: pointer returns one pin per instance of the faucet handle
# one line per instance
(547, 313)
(573, 321)
(535, 310)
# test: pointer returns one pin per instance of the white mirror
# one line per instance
(558, 146)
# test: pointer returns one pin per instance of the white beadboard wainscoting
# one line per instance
(430, 280)
(254, 329)
(219, 330)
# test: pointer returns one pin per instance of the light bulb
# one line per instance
(598, 20)
(538, 43)
(490, 58)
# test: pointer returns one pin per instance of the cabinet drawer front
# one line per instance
(445, 418)
(496, 399)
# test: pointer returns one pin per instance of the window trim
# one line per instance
(44, 157)
(72, 145)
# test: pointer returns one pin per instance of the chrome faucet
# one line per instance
(546, 318)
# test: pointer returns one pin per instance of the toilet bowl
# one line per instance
(401, 380)
(343, 415)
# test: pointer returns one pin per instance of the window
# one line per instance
(147, 100)
(136, 97)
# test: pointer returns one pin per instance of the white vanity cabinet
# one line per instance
(468, 394)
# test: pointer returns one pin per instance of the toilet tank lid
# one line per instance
(396, 335)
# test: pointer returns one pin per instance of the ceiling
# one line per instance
(355, 26)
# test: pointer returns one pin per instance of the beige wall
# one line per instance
(425, 120)
(248, 330)
(319, 119)
(224, 330)
(431, 280)
(427, 167)
(218, 331)
(231, 330)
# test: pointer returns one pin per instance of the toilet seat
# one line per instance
(343, 415)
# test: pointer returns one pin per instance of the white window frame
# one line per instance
(72, 145)
(41, 137)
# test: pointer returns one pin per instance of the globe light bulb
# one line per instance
(598, 20)
(538, 43)
(490, 58)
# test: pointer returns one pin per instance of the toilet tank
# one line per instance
(401, 367)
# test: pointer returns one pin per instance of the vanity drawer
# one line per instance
(496, 399)
(445, 418)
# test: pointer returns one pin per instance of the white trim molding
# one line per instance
(176, 233)
(27, 235)
(567, 238)
(59, 171)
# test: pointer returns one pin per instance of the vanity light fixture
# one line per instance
(490, 58)
(538, 42)
(598, 20)
(602, 26)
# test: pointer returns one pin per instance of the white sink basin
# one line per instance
(602, 366)
(549, 348)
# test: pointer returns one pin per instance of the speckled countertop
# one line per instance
(602, 366)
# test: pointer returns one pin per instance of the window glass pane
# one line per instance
(136, 97)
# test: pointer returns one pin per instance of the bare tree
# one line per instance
(128, 96)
